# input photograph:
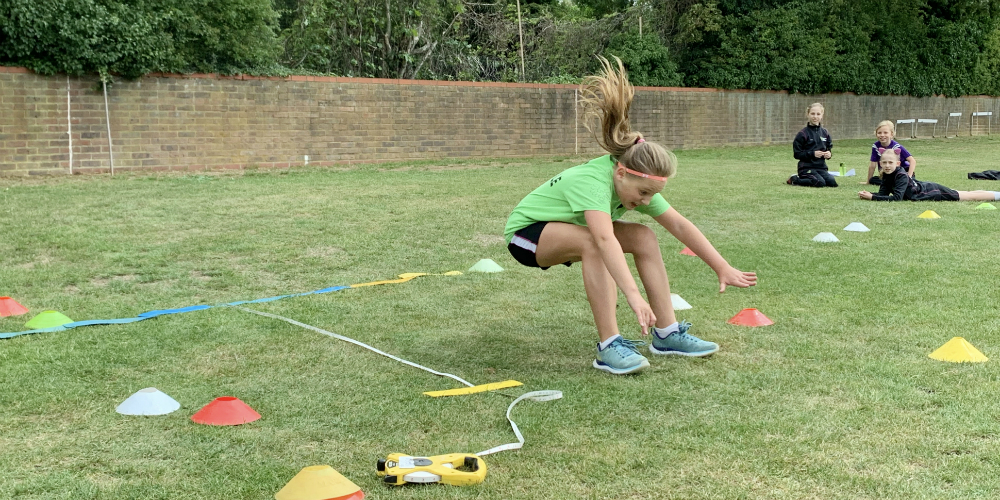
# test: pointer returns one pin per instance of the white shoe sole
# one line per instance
(699, 354)
(619, 371)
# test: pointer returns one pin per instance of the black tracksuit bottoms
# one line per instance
(814, 178)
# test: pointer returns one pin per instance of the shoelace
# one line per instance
(683, 327)
(632, 345)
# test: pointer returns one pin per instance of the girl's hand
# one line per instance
(643, 313)
(864, 195)
(828, 154)
(735, 277)
(819, 154)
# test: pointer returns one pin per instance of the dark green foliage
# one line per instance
(894, 47)
(915, 47)
(395, 39)
(131, 38)
(647, 60)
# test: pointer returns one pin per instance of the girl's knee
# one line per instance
(642, 240)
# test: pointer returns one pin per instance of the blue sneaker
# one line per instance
(682, 343)
(621, 357)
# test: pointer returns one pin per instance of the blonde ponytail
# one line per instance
(607, 98)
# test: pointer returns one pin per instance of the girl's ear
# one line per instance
(620, 170)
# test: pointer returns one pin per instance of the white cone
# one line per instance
(148, 401)
(679, 303)
(857, 227)
(825, 238)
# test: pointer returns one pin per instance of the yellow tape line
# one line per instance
(403, 278)
(474, 389)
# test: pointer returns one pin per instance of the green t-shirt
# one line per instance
(565, 197)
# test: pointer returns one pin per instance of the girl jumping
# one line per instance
(898, 185)
(573, 217)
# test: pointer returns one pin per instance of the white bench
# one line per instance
(911, 121)
(947, 124)
(927, 120)
(989, 121)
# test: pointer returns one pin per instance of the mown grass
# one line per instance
(836, 400)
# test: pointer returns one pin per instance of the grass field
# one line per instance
(837, 399)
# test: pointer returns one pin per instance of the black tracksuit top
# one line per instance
(807, 142)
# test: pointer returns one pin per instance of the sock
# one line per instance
(604, 345)
(667, 330)
(996, 195)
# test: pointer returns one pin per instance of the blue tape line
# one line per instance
(41, 330)
(90, 322)
(162, 312)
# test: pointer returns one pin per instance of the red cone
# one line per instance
(687, 251)
(10, 307)
(750, 317)
(226, 410)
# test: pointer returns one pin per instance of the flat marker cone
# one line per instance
(47, 319)
(486, 266)
(148, 401)
(226, 410)
(750, 317)
(319, 482)
(930, 214)
(825, 238)
(687, 251)
(958, 350)
(857, 227)
(679, 303)
(10, 307)
(985, 206)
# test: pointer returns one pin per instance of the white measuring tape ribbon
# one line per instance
(534, 396)
(355, 342)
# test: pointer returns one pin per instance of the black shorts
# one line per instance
(524, 243)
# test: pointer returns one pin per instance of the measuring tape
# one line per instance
(445, 469)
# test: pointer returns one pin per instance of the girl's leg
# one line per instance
(971, 196)
(561, 242)
(640, 241)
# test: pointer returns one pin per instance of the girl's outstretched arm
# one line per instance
(603, 231)
(688, 234)
(913, 165)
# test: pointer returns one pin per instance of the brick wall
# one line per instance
(195, 122)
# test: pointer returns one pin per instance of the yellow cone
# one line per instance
(958, 350)
(319, 482)
(930, 214)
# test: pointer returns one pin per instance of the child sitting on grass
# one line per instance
(885, 132)
(897, 185)
(812, 147)
(573, 217)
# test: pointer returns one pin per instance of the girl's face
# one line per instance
(888, 163)
(633, 190)
(815, 115)
(884, 135)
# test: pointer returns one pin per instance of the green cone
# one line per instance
(47, 319)
(486, 266)
(985, 206)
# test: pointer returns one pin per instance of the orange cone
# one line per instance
(226, 410)
(750, 317)
(687, 251)
(10, 307)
